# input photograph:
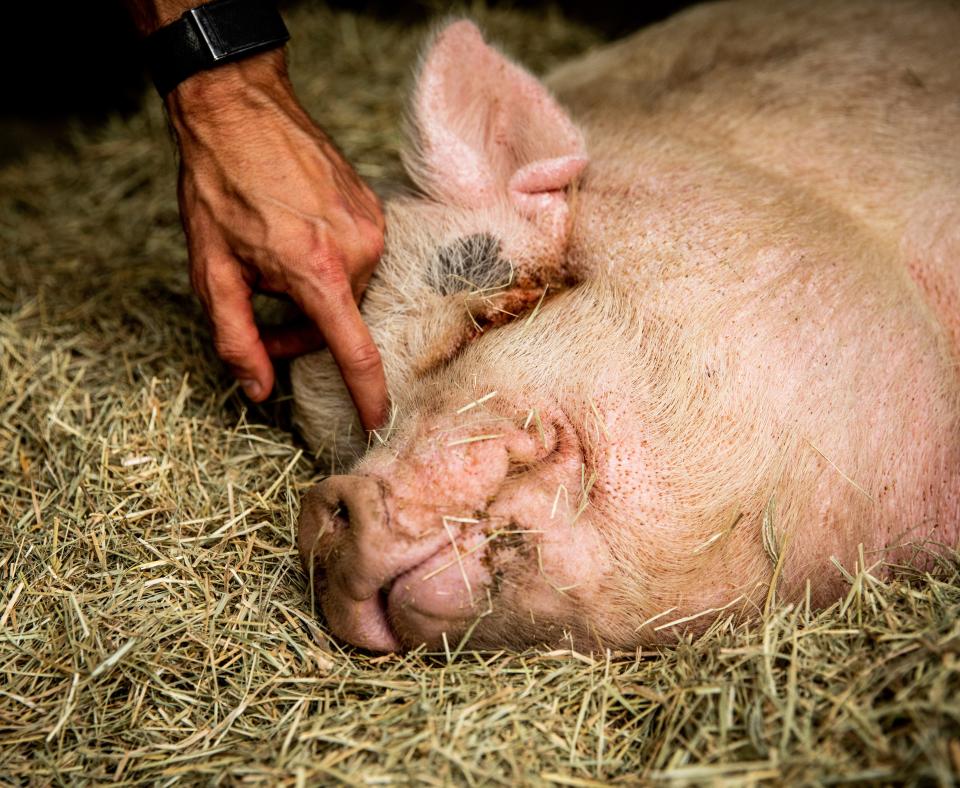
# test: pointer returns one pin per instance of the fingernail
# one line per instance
(250, 387)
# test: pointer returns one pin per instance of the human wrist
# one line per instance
(209, 36)
(231, 89)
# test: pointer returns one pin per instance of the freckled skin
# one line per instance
(745, 362)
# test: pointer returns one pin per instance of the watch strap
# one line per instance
(221, 31)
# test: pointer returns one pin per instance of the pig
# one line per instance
(668, 335)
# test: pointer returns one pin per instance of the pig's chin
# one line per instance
(442, 595)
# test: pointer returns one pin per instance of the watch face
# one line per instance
(233, 28)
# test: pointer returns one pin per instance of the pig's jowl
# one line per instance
(675, 326)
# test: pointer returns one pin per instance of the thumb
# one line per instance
(235, 335)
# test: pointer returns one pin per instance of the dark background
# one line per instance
(63, 61)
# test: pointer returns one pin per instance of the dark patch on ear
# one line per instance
(470, 263)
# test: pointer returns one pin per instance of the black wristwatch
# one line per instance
(209, 35)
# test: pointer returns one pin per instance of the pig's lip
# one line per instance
(423, 619)
(365, 620)
(371, 628)
(393, 591)
(386, 599)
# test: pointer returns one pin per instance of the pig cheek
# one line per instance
(630, 491)
(556, 590)
(630, 487)
(573, 563)
(562, 567)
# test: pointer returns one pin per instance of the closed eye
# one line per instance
(473, 262)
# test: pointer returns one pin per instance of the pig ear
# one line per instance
(489, 131)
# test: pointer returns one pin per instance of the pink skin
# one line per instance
(476, 113)
(416, 558)
(728, 382)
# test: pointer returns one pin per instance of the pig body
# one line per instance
(662, 346)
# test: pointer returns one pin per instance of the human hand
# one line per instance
(268, 204)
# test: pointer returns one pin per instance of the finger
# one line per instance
(359, 285)
(335, 313)
(292, 339)
(235, 333)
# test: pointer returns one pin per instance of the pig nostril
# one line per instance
(518, 468)
(341, 514)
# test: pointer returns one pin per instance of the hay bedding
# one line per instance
(154, 626)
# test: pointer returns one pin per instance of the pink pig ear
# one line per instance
(489, 131)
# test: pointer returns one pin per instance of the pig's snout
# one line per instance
(342, 521)
(401, 555)
(380, 566)
(338, 506)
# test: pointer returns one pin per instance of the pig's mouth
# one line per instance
(390, 597)
(387, 585)
(427, 595)
(439, 595)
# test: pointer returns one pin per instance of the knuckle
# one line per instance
(322, 257)
(327, 267)
(374, 244)
(330, 289)
(234, 347)
(319, 259)
(207, 279)
(315, 238)
(229, 350)
(365, 359)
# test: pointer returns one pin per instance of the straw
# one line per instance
(154, 620)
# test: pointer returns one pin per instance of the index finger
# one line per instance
(336, 315)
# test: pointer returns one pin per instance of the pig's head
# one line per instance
(496, 502)
(496, 159)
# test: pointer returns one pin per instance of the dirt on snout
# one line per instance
(154, 621)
